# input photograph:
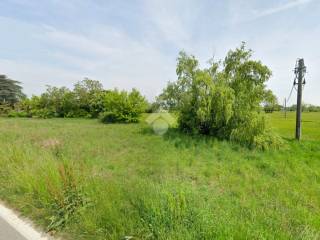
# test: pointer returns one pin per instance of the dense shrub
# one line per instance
(13, 113)
(223, 100)
(122, 106)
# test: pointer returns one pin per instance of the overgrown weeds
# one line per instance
(68, 199)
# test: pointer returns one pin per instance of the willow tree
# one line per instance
(10, 90)
(223, 100)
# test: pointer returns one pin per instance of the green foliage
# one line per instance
(270, 102)
(87, 99)
(208, 108)
(87, 94)
(153, 107)
(223, 100)
(267, 141)
(122, 106)
(83, 101)
(23, 114)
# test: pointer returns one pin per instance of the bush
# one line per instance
(43, 113)
(18, 114)
(267, 140)
(110, 117)
(123, 107)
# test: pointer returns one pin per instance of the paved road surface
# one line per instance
(8, 233)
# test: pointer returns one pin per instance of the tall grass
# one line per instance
(84, 180)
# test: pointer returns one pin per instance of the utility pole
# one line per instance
(300, 70)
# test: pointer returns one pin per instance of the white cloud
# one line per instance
(244, 11)
(280, 8)
(173, 22)
(76, 42)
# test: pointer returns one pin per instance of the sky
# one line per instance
(135, 43)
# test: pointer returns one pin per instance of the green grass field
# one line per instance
(81, 179)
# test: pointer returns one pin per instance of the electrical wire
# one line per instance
(293, 87)
(294, 81)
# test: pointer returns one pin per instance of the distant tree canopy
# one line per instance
(305, 108)
(270, 102)
(10, 91)
(223, 100)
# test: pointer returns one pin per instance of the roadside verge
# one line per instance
(21, 226)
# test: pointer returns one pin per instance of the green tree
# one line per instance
(86, 92)
(170, 98)
(54, 100)
(10, 91)
(223, 100)
(173, 95)
(270, 102)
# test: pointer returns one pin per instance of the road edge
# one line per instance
(24, 227)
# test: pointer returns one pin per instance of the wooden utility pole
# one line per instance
(300, 70)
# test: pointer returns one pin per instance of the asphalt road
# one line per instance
(9, 233)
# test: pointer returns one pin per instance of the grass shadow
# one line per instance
(183, 140)
(287, 139)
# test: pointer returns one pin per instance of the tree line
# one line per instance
(87, 99)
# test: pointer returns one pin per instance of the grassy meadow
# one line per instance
(80, 179)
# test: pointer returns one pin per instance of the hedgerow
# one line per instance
(88, 99)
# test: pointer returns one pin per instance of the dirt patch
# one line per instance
(50, 143)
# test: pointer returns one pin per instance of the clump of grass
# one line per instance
(67, 200)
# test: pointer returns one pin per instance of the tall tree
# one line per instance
(86, 92)
(10, 90)
(270, 101)
(223, 100)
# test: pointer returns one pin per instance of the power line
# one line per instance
(288, 98)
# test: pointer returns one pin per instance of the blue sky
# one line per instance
(135, 43)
